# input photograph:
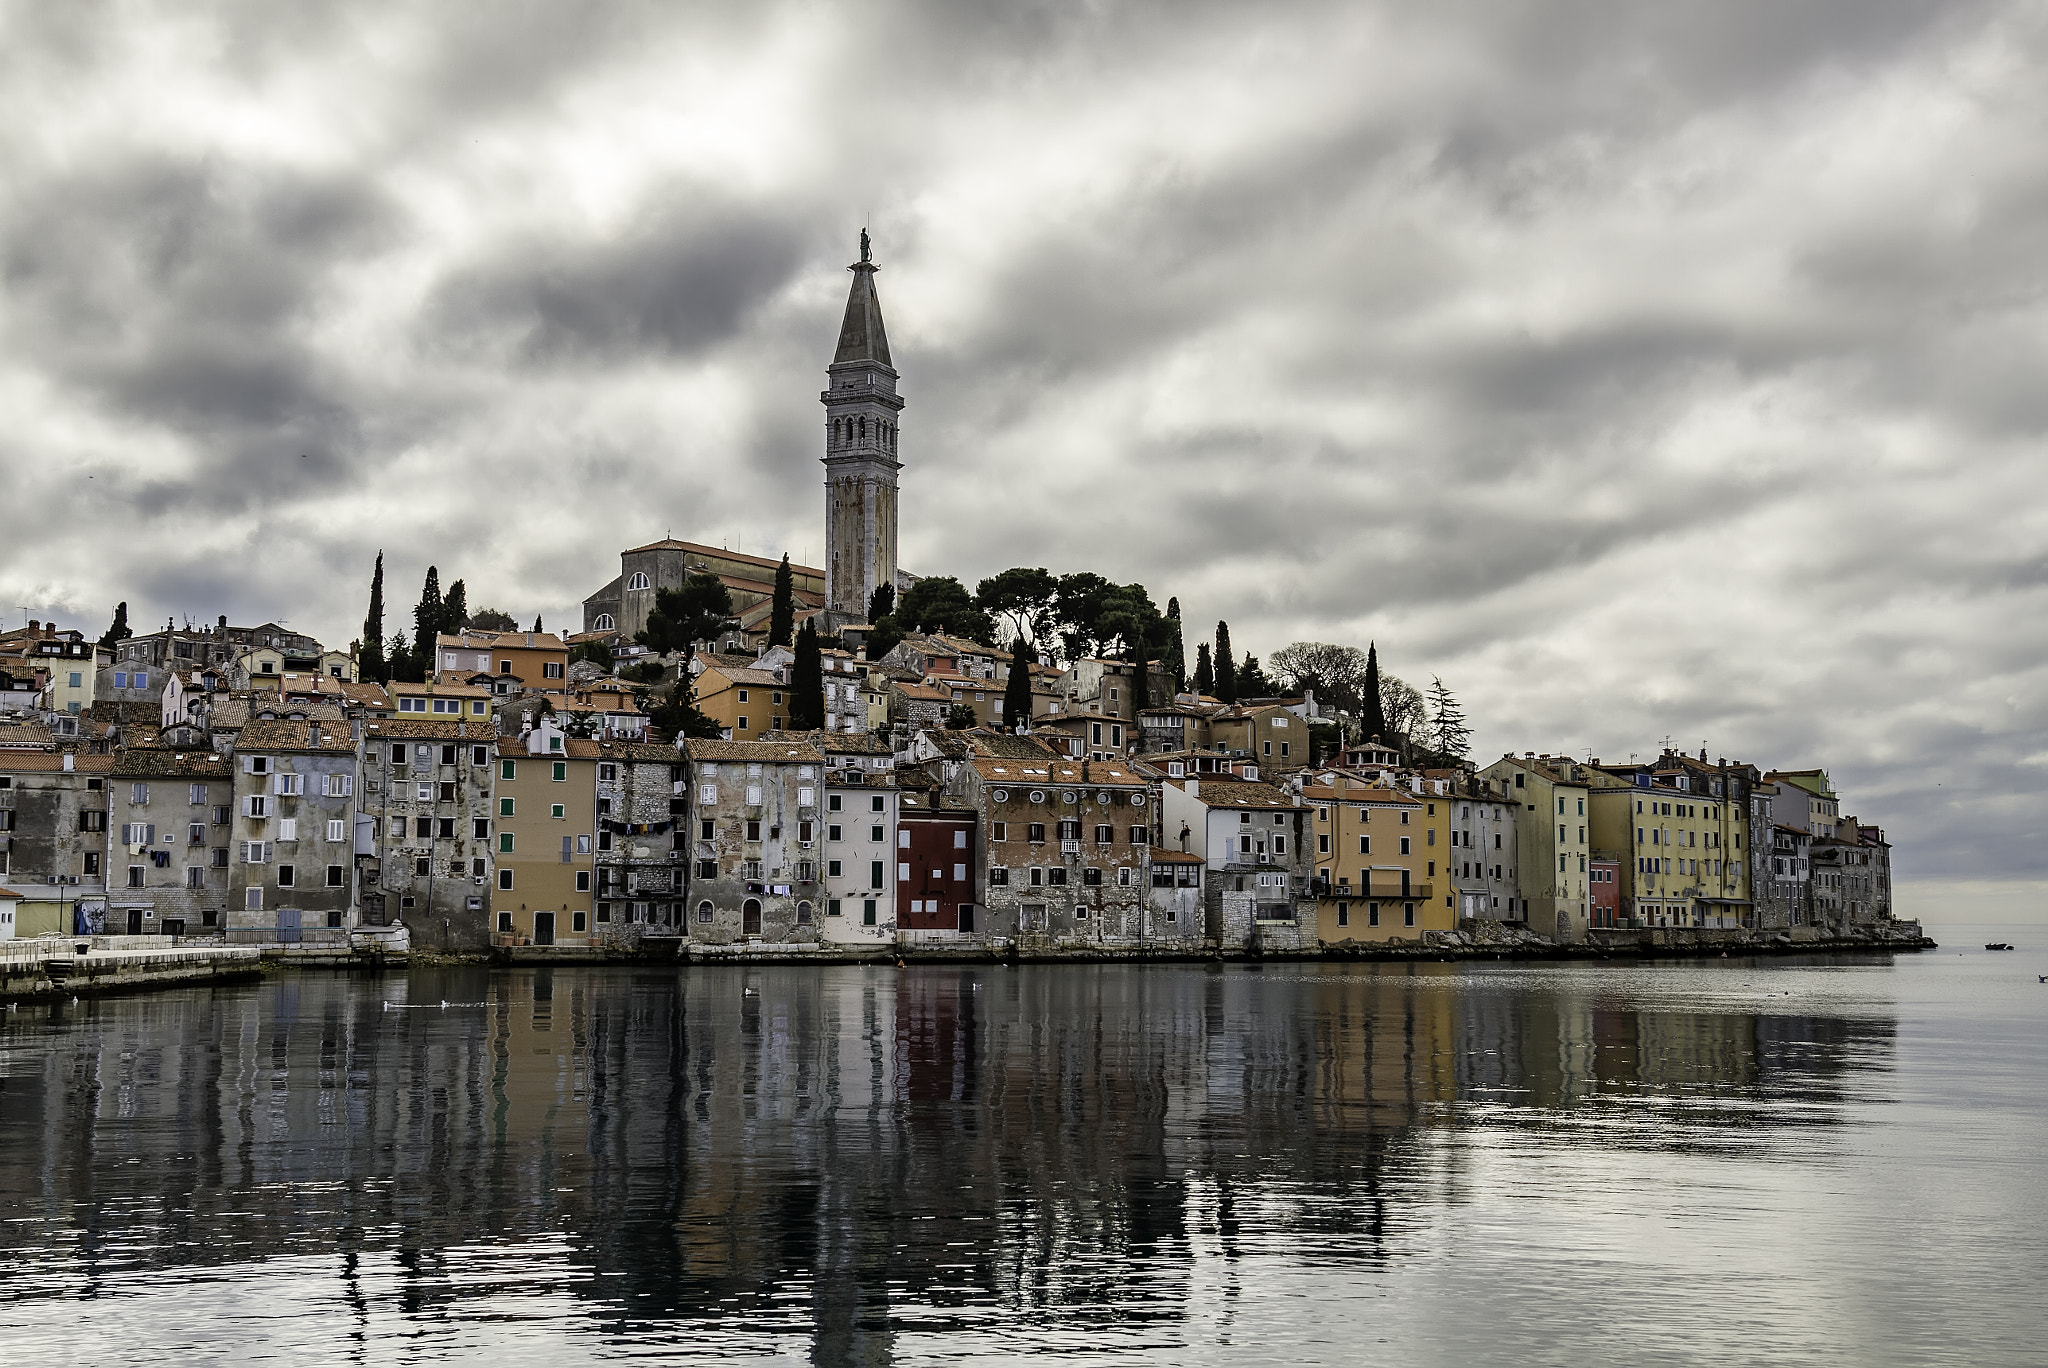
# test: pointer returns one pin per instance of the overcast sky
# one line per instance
(1642, 370)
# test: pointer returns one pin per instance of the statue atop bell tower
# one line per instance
(861, 405)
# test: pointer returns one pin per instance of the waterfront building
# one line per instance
(171, 835)
(1066, 846)
(1552, 848)
(1679, 847)
(1479, 867)
(544, 880)
(53, 832)
(1255, 841)
(1372, 880)
(642, 837)
(936, 869)
(294, 789)
(754, 813)
(423, 834)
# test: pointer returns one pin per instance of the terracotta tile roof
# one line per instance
(471, 640)
(280, 735)
(1002, 746)
(921, 693)
(1370, 793)
(1239, 793)
(144, 764)
(28, 735)
(746, 678)
(388, 728)
(1089, 774)
(762, 752)
(670, 544)
(1161, 855)
(638, 753)
(52, 762)
(835, 743)
(439, 690)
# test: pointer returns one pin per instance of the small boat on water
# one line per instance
(1997, 945)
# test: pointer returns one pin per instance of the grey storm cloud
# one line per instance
(1645, 371)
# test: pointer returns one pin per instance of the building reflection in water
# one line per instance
(848, 1155)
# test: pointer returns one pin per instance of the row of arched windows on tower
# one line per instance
(847, 431)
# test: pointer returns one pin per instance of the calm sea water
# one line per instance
(1773, 1162)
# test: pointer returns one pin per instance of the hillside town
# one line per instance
(734, 750)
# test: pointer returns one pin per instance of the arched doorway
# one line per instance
(750, 917)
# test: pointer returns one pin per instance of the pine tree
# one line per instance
(370, 659)
(807, 682)
(1449, 737)
(399, 666)
(782, 617)
(1205, 678)
(1017, 692)
(1373, 717)
(120, 631)
(1226, 671)
(882, 603)
(1251, 679)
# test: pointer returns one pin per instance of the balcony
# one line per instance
(1069, 847)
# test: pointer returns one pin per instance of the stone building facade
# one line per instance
(424, 835)
(642, 838)
(53, 836)
(292, 863)
(752, 805)
(1259, 853)
(1068, 846)
(170, 842)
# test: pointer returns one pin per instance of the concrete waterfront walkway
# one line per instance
(65, 966)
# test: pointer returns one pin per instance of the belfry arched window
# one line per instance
(639, 580)
(604, 623)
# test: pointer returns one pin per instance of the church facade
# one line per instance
(861, 408)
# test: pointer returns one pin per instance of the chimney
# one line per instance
(529, 638)
(70, 761)
(34, 627)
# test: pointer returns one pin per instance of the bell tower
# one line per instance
(861, 405)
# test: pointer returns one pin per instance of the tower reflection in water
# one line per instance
(845, 1155)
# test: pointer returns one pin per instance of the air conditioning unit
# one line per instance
(477, 879)
(803, 845)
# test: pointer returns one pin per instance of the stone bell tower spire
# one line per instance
(860, 454)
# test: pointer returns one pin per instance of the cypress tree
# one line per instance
(120, 631)
(1176, 660)
(1226, 671)
(1205, 678)
(782, 617)
(455, 608)
(370, 662)
(1017, 692)
(1373, 715)
(426, 618)
(1141, 678)
(882, 603)
(536, 623)
(807, 682)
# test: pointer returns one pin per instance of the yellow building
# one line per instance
(1680, 848)
(535, 662)
(746, 703)
(545, 830)
(1552, 845)
(1374, 869)
(447, 702)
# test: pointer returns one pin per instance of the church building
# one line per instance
(861, 405)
